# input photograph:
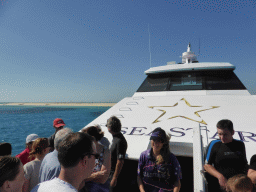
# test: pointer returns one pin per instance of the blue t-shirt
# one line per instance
(50, 167)
(158, 178)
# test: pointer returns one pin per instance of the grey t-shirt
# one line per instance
(31, 170)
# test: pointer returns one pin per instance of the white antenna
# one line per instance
(199, 47)
(149, 46)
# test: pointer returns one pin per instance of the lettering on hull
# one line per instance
(182, 132)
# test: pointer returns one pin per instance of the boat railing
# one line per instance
(198, 160)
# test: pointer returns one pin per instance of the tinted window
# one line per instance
(223, 80)
(185, 82)
(154, 84)
(207, 80)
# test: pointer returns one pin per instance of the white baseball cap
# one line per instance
(31, 137)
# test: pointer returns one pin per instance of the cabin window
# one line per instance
(223, 81)
(154, 84)
(203, 80)
(185, 82)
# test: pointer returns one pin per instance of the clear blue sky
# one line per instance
(97, 51)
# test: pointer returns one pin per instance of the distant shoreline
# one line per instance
(60, 104)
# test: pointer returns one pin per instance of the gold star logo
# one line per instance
(185, 103)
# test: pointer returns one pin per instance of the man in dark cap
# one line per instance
(58, 124)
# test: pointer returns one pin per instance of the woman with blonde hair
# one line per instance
(40, 148)
(98, 181)
(158, 168)
(239, 183)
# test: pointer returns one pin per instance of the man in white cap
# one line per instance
(25, 154)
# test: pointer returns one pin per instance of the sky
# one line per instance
(97, 51)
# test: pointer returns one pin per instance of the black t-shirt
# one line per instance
(117, 149)
(227, 158)
(253, 163)
(51, 140)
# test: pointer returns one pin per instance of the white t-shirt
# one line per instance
(54, 185)
(31, 170)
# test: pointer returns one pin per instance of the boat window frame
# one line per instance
(210, 80)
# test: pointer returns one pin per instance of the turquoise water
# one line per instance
(16, 122)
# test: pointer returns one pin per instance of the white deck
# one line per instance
(178, 115)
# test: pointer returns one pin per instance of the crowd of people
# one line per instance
(85, 161)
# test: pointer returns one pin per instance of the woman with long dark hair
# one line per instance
(158, 169)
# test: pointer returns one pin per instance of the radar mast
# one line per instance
(189, 56)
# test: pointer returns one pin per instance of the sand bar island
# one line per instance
(61, 104)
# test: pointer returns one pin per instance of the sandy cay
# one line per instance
(61, 104)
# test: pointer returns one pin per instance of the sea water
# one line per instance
(16, 122)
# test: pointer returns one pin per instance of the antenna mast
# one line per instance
(149, 47)
(199, 47)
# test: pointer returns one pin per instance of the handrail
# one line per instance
(199, 182)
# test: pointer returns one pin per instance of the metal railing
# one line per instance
(198, 160)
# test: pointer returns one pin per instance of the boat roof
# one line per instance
(204, 66)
